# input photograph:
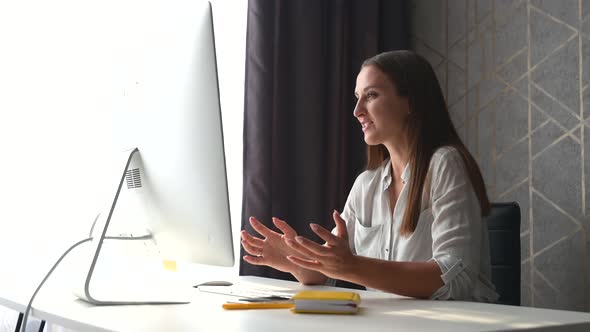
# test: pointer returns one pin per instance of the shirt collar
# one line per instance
(386, 174)
(406, 174)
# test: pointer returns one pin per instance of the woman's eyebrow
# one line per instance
(369, 87)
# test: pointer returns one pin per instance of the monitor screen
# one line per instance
(173, 178)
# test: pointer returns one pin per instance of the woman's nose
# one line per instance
(358, 109)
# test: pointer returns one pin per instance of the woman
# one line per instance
(412, 223)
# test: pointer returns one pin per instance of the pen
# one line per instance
(257, 305)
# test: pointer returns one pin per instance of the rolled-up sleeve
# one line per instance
(456, 228)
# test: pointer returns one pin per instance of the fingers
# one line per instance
(260, 228)
(252, 250)
(307, 247)
(253, 246)
(253, 241)
(324, 234)
(305, 263)
(284, 227)
(301, 249)
(340, 225)
(254, 260)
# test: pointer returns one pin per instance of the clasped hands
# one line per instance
(288, 252)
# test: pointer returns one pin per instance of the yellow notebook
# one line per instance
(326, 302)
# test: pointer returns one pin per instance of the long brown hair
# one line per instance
(429, 128)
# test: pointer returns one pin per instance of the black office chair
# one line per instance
(504, 231)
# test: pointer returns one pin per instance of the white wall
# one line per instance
(54, 120)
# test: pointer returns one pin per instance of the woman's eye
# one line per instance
(371, 95)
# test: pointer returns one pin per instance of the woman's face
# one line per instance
(382, 113)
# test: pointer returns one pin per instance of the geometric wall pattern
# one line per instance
(516, 76)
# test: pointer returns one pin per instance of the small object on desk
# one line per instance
(214, 283)
(258, 305)
(266, 299)
(326, 302)
(169, 265)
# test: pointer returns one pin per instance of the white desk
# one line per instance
(379, 312)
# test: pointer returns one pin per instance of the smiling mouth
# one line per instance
(366, 125)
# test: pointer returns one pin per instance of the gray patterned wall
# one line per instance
(515, 74)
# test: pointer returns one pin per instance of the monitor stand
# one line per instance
(133, 288)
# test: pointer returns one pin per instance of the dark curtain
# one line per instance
(303, 148)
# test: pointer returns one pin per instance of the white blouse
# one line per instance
(449, 230)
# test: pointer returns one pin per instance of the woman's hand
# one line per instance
(333, 259)
(271, 250)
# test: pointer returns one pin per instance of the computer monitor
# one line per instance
(173, 179)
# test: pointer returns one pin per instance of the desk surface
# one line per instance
(379, 312)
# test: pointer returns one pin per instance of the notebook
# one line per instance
(249, 291)
(326, 302)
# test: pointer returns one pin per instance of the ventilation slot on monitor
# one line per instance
(133, 178)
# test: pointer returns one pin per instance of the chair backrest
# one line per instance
(504, 231)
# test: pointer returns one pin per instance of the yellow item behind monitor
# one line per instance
(170, 265)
